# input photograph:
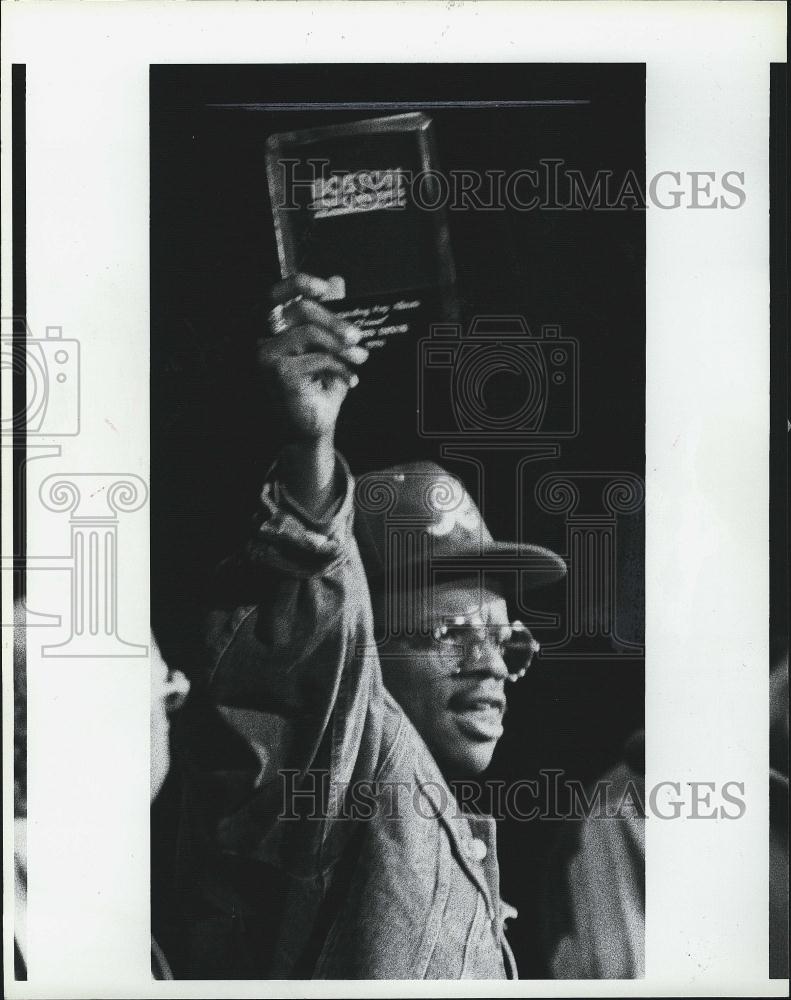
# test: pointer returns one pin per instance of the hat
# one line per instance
(416, 520)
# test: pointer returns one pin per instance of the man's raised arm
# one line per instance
(292, 608)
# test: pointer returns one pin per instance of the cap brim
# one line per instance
(532, 565)
(537, 566)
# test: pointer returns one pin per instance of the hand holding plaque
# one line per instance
(309, 360)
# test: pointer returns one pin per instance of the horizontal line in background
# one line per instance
(390, 105)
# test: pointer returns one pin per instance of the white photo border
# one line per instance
(87, 162)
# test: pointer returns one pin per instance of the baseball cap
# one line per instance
(417, 520)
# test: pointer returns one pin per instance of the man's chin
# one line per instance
(481, 758)
(470, 760)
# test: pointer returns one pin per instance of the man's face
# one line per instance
(455, 697)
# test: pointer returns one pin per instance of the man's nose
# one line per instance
(487, 659)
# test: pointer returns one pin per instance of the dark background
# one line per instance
(213, 258)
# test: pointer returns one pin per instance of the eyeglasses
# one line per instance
(466, 640)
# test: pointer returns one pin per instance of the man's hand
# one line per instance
(308, 362)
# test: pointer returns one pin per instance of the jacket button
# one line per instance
(476, 849)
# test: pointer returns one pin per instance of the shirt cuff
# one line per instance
(295, 540)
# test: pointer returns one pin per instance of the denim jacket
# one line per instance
(404, 886)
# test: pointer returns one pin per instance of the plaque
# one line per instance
(361, 204)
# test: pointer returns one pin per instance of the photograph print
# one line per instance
(397, 521)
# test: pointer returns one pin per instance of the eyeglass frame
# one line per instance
(437, 633)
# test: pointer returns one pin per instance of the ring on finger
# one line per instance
(277, 316)
(277, 321)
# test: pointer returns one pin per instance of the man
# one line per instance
(335, 850)
(445, 642)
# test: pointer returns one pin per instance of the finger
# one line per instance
(322, 367)
(303, 312)
(308, 339)
(301, 284)
(308, 311)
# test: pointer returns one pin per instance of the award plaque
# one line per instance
(362, 204)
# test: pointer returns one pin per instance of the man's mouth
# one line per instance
(479, 716)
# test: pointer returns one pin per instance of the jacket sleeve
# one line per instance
(293, 672)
